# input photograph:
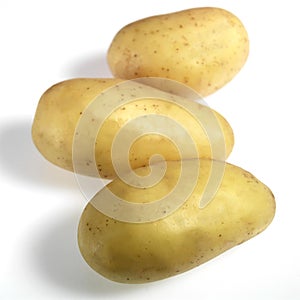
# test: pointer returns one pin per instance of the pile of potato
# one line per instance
(158, 230)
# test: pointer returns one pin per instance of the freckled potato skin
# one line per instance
(143, 252)
(203, 48)
(57, 114)
(60, 109)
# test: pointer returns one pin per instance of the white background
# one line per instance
(44, 42)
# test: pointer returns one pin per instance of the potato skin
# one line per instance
(144, 252)
(203, 48)
(57, 114)
(61, 107)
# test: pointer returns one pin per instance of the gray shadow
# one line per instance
(93, 65)
(20, 159)
(55, 257)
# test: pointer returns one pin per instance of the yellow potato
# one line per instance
(139, 252)
(71, 122)
(203, 48)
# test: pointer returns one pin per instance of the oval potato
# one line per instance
(142, 252)
(203, 48)
(63, 105)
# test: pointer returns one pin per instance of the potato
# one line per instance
(203, 48)
(77, 131)
(139, 252)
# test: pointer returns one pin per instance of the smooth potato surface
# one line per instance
(203, 48)
(57, 114)
(142, 252)
(63, 105)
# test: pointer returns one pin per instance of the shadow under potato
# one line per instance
(55, 255)
(94, 65)
(20, 159)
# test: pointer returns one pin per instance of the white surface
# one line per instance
(43, 42)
